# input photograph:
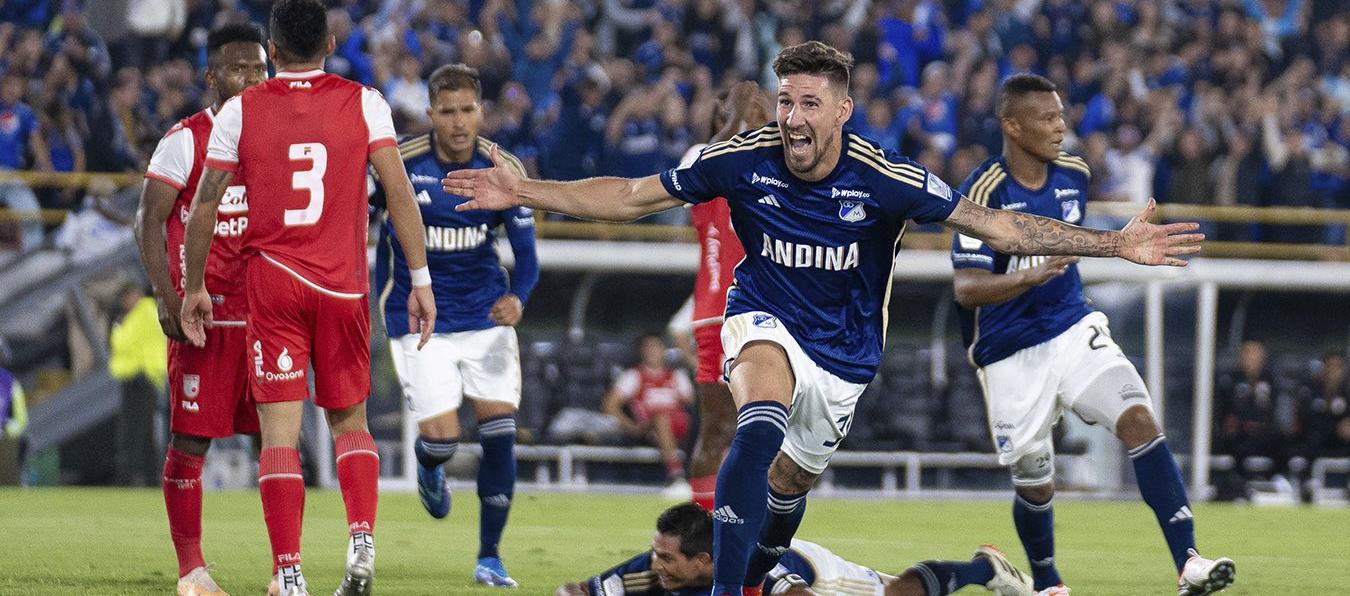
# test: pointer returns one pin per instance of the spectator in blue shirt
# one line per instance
(20, 138)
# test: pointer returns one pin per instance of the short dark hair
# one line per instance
(1020, 85)
(231, 32)
(815, 58)
(691, 524)
(299, 29)
(453, 77)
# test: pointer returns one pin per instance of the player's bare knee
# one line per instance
(908, 584)
(485, 409)
(190, 444)
(349, 419)
(761, 372)
(1136, 426)
(440, 428)
(1036, 494)
(788, 478)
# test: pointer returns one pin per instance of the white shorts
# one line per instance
(482, 364)
(834, 575)
(822, 404)
(1027, 392)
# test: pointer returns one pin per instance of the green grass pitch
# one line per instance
(111, 541)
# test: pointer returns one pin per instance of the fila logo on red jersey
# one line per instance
(300, 85)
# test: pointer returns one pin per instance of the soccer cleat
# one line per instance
(1059, 590)
(198, 582)
(1201, 576)
(288, 582)
(678, 490)
(434, 490)
(1008, 580)
(360, 566)
(491, 572)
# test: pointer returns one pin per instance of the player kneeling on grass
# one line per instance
(473, 353)
(680, 564)
(1041, 349)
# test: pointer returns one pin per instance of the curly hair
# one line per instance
(299, 29)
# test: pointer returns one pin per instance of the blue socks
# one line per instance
(434, 452)
(780, 525)
(944, 577)
(496, 480)
(742, 490)
(1036, 527)
(1164, 491)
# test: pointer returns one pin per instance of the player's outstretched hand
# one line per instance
(422, 313)
(571, 590)
(491, 188)
(196, 316)
(1152, 244)
(1052, 267)
(507, 310)
(170, 314)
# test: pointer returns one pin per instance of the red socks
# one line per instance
(358, 472)
(704, 487)
(282, 487)
(183, 500)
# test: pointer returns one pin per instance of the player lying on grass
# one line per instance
(680, 564)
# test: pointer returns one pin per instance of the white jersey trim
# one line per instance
(224, 145)
(172, 161)
(379, 118)
(316, 287)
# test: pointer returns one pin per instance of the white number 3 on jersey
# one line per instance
(310, 180)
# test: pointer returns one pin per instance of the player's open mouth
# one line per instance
(798, 143)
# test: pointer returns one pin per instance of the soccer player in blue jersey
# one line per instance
(679, 563)
(820, 211)
(473, 353)
(1041, 349)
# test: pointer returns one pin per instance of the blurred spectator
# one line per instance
(651, 402)
(13, 422)
(1245, 404)
(407, 95)
(1327, 397)
(65, 147)
(22, 146)
(97, 228)
(138, 359)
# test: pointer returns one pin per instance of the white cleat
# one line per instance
(1201, 576)
(1057, 590)
(198, 582)
(1008, 580)
(360, 566)
(288, 582)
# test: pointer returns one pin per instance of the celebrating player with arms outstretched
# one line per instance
(820, 212)
(208, 386)
(474, 353)
(1040, 348)
(304, 139)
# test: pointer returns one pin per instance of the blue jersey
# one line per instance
(466, 276)
(635, 577)
(996, 331)
(818, 255)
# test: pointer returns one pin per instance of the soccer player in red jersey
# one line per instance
(304, 139)
(743, 108)
(208, 386)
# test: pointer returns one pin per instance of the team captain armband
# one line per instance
(420, 276)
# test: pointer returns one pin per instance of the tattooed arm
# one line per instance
(1010, 232)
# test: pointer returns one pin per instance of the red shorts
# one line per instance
(292, 325)
(710, 356)
(679, 420)
(208, 386)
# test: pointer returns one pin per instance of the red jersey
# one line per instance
(651, 391)
(305, 139)
(178, 161)
(719, 253)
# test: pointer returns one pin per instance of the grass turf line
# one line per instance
(116, 541)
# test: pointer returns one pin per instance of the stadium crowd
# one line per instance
(1226, 102)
